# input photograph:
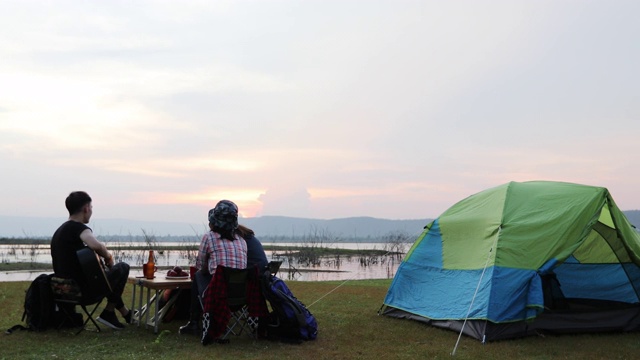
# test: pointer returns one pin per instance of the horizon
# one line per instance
(313, 109)
(363, 226)
(358, 227)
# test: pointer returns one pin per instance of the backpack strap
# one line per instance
(14, 328)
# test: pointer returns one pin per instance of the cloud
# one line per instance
(285, 200)
(314, 108)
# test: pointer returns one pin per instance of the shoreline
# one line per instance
(44, 267)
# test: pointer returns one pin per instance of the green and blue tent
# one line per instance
(521, 259)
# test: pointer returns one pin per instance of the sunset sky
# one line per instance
(320, 109)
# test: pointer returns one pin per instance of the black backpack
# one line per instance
(39, 307)
(179, 310)
(290, 320)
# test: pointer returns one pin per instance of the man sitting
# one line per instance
(74, 235)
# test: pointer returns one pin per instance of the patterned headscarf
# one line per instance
(224, 215)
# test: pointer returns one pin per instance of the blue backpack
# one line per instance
(289, 320)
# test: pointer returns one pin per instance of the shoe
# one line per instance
(127, 318)
(109, 319)
(192, 327)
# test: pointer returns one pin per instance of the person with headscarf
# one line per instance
(221, 245)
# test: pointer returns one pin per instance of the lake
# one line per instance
(329, 268)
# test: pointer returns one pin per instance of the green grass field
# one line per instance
(349, 328)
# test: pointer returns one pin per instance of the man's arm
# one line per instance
(87, 237)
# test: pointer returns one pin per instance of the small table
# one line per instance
(159, 284)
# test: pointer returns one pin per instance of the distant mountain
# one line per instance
(354, 227)
(265, 226)
(273, 226)
(634, 218)
(15, 226)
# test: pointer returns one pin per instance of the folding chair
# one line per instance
(236, 280)
(273, 267)
(66, 295)
(227, 306)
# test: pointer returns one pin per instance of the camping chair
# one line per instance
(251, 323)
(66, 295)
(236, 280)
(228, 302)
(273, 267)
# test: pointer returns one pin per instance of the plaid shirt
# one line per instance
(216, 251)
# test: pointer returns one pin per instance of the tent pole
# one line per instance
(453, 353)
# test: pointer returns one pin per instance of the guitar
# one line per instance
(93, 268)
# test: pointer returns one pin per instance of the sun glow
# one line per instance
(246, 199)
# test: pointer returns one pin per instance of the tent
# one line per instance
(522, 259)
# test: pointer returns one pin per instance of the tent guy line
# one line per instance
(484, 270)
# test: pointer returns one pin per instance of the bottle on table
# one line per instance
(149, 268)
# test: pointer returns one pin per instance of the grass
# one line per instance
(349, 328)
(16, 266)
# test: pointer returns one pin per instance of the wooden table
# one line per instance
(159, 284)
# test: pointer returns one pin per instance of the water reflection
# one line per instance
(293, 268)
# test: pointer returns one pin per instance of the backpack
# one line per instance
(289, 320)
(179, 309)
(39, 306)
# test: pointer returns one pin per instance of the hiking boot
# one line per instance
(192, 327)
(109, 319)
